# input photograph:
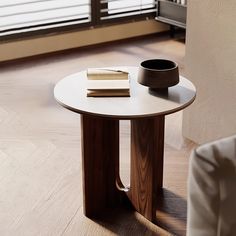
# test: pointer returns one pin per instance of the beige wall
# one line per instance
(51, 43)
(211, 66)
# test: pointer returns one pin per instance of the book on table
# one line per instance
(102, 82)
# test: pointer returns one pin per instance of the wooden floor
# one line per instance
(40, 155)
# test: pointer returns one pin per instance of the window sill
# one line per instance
(67, 40)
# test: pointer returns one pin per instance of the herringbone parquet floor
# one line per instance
(40, 159)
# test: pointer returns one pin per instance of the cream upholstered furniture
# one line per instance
(212, 189)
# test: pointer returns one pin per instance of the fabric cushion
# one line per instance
(212, 189)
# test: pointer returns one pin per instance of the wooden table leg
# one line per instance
(147, 145)
(100, 156)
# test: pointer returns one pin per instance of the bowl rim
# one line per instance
(159, 70)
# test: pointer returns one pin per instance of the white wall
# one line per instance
(52, 43)
(211, 66)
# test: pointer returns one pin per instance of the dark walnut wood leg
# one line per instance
(100, 156)
(147, 144)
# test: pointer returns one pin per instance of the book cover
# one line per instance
(109, 93)
(106, 74)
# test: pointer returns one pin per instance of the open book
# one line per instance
(103, 82)
(106, 74)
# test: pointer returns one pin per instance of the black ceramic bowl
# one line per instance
(158, 73)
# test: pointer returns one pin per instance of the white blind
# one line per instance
(123, 8)
(21, 14)
(25, 16)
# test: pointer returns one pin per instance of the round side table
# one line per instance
(100, 117)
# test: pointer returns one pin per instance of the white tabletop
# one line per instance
(71, 92)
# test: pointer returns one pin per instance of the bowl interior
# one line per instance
(158, 64)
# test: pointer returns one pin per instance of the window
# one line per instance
(125, 8)
(27, 16)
